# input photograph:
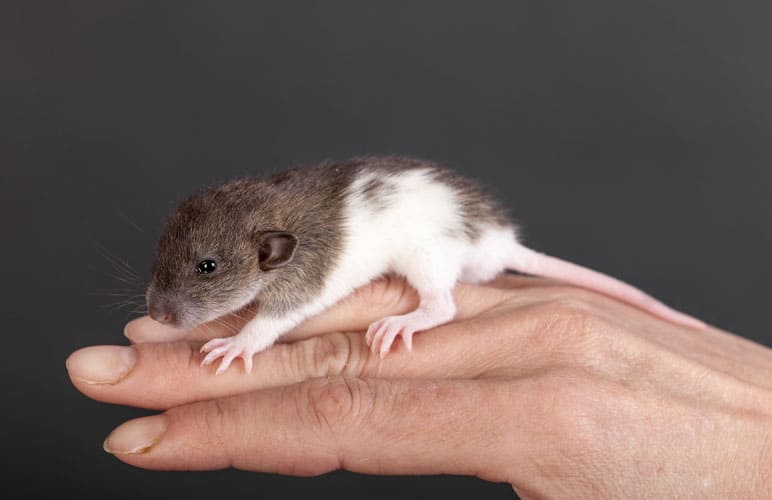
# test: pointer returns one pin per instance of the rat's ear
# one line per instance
(275, 249)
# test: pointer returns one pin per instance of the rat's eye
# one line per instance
(206, 266)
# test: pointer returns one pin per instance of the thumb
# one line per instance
(362, 425)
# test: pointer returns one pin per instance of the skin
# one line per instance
(558, 391)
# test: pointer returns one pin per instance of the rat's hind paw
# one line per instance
(228, 349)
(382, 334)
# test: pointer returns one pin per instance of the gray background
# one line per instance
(632, 137)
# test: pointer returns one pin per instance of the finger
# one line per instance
(162, 375)
(390, 296)
(146, 329)
(510, 281)
(383, 297)
(366, 426)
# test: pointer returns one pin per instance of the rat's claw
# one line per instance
(383, 333)
(374, 333)
(369, 335)
(370, 332)
(213, 344)
(228, 349)
(214, 354)
(407, 338)
(388, 339)
(244, 354)
(247, 362)
(227, 360)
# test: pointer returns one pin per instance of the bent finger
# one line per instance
(383, 297)
(367, 426)
(145, 329)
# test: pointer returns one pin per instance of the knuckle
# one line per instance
(569, 324)
(329, 355)
(164, 372)
(177, 360)
(335, 405)
(215, 416)
(573, 303)
(229, 422)
(592, 338)
(211, 421)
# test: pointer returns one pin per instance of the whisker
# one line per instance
(116, 306)
(131, 222)
(233, 328)
(226, 326)
(210, 332)
(120, 265)
(119, 294)
(132, 289)
(138, 311)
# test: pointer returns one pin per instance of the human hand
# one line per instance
(558, 391)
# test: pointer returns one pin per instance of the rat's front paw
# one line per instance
(229, 349)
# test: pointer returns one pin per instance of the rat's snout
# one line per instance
(163, 316)
(162, 310)
(163, 313)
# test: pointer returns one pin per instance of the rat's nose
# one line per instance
(163, 318)
(162, 314)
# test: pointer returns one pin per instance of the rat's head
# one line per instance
(212, 259)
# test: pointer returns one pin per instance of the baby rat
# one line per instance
(297, 242)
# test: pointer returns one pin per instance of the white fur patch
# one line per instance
(489, 256)
(411, 230)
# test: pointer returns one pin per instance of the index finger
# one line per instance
(383, 297)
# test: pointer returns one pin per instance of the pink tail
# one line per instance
(528, 261)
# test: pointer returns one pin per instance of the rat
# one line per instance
(298, 241)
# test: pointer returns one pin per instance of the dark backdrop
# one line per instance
(632, 137)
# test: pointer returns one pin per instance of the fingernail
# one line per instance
(136, 436)
(101, 364)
